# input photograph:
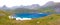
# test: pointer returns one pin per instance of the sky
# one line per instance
(11, 3)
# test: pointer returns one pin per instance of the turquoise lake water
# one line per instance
(30, 15)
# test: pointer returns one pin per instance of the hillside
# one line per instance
(53, 19)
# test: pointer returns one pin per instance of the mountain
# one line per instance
(23, 10)
(57, 7)
(33, 6)
(4, 8)
(49, 3)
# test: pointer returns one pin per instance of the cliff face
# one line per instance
(50, 3)
(57, 7)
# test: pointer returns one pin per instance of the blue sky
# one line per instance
(11, 3)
